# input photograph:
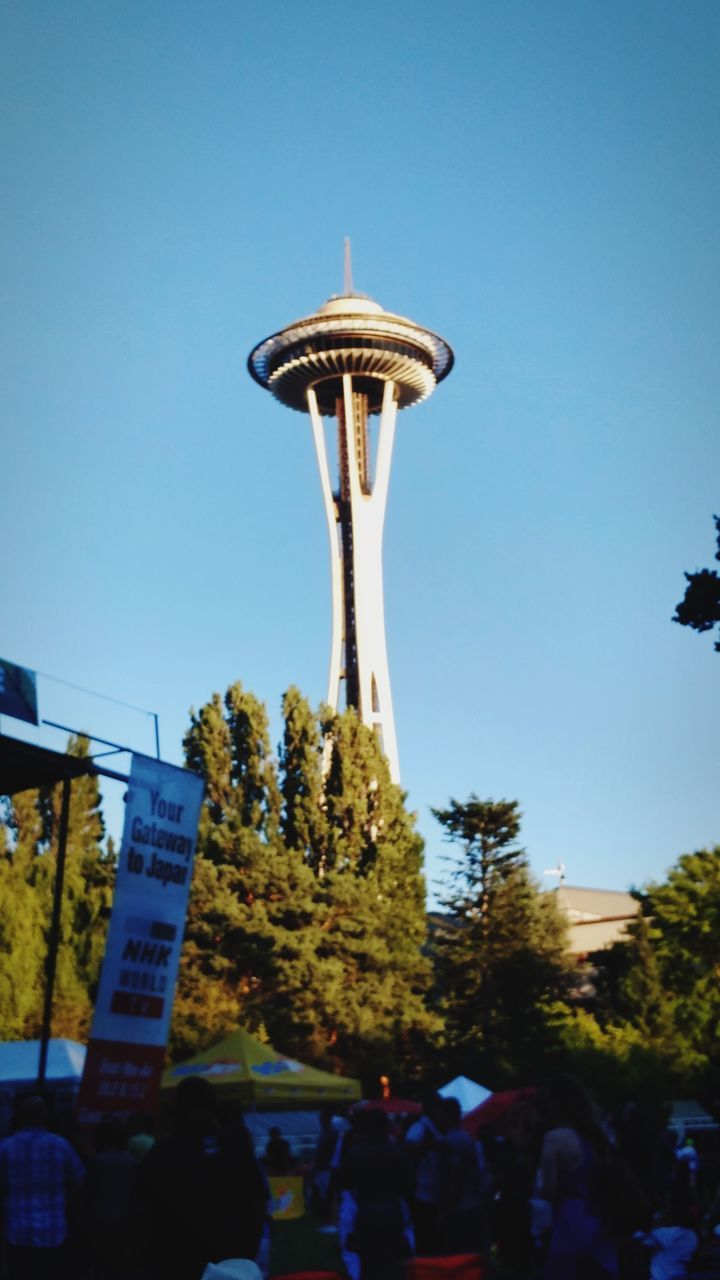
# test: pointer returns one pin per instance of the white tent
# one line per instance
(19, 1061)
(468, 1093)
(688, 1116)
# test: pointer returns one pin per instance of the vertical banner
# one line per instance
(18, 692)
(132, 1013)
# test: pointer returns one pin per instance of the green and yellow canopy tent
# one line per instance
(256, 1074)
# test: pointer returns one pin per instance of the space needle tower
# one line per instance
(353, 361)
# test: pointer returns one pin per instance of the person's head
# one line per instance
(275, 1132)
(450, 1115)
(430, 1102)
(195, 1104)
(376, 1125)
(31, 1112)
(571, 1107)
(569, 1104)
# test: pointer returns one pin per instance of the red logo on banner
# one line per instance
(137, 1006)
(119, 1077)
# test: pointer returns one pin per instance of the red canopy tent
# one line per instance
(495, 1107)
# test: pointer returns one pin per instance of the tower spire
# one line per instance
(348, 285)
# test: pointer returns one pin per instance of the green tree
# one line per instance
(700, 606)
(501, 947)
(651, 1029)
(306, 917)
(303, 822)
(22, 946)
(28, 865)
(629, 986)
(87, 895)
(248, 953)
(374, 927)
(683, 926)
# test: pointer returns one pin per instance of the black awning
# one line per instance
(24, 765)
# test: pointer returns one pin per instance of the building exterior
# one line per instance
(354, 362)
(597, 917)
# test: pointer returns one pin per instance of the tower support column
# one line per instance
(358, 649)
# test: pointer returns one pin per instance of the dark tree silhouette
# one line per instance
(700, 608)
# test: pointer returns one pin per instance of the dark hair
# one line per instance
(377, 1124)
(450, 1110)
(195, 1102)
(30, 1109)
(430, 1102)
(571, 1105)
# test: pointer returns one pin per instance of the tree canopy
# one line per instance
(306, 920)
(307, 925)
(700, 606)
(28, 859)
(501, 949)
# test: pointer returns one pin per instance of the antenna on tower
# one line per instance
(557, 871)
(348, 289)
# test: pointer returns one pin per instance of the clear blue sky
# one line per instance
(537, 181)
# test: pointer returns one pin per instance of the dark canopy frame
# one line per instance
(23, 766)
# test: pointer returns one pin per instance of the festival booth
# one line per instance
(467, 1092)
(687, 1116)
(276, 1091)
(255, 1074)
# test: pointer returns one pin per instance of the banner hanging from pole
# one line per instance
(132, 1014)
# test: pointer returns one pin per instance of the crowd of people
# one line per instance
(552, 1193)
(133, 1208)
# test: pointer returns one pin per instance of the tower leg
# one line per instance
(368, 519)
(365, 510)
(331, 515)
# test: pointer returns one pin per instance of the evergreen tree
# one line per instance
(87, 895)
(303, 823)
(22, 945)
(501, 948)
(651, 1028)
(374, 928)
(306, 918)
(700, 606)
(257, 798)
(27, 880)
(248, 955)
(683, 927)
(629, 987)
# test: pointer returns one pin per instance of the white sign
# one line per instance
(142, 953)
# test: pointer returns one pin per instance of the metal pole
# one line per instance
(157, 733)
(54, 939)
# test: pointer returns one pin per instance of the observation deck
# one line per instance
(350, 334)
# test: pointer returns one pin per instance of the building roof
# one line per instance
(582, 905)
